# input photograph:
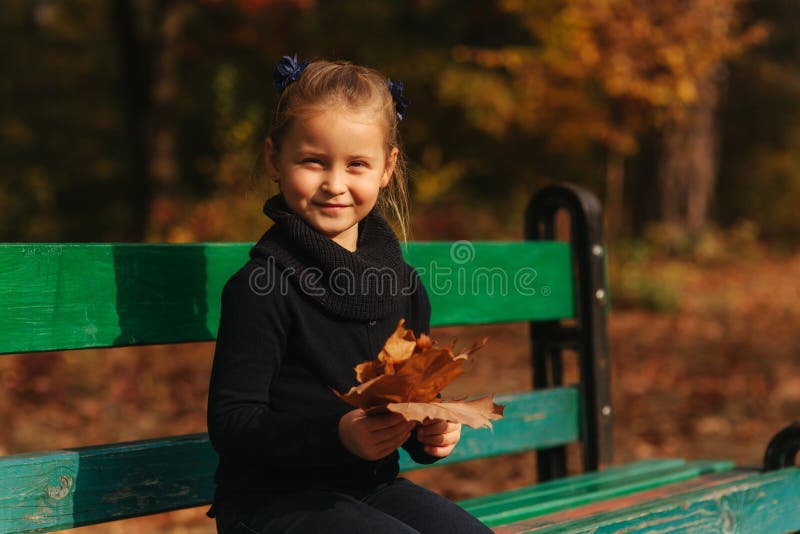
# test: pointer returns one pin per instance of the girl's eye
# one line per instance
(311, 161)
(358, 164)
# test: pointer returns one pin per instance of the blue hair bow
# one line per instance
(287, 71)
(400, 102)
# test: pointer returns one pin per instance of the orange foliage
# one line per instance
(599, 70)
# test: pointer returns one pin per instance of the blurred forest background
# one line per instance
(143, 120)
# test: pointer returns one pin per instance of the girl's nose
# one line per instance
(334, 182)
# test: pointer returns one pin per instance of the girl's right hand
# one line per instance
(373, 437)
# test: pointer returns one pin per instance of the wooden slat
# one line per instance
(72, 296)
(532, 419)
(60, 489)
(618, 503)
(82, 295)
(54, 490)
(758, 503)
(488, 282)
(572, 483)
(580, 490)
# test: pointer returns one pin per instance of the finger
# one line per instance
(443, 438)
(390, 418)
(438, 440)
(400, 427)
(436, 427)
(429, 421)
(392, 434)
(439, 452)
(389, 446)
(453, 429)
(383, 434)
(379, 422)
(448, 438)
(393, 441)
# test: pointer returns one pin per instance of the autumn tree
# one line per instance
(604, 72)
(760, 118)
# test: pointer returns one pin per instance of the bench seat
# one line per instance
(734, 500)
(568, 493)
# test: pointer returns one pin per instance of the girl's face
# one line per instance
(331, 167)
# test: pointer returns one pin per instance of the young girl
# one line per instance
(324, 288)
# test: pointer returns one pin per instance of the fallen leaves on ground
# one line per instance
(409, 374)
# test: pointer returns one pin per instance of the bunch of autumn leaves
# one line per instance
(407, 377)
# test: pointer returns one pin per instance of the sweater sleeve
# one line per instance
(251, 342)
(421, 322)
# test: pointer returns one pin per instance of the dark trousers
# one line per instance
(397, 507)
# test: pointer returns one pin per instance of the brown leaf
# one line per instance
(368, 370)
(475, 346)
(423, 343)
(397, 349)
(420, 379)
(477, 413)
(399, 346)
(376, 392)
(409, 371)
(429, 373)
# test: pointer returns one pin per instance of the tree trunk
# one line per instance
(149, 88)
(688, 163)
(164, 170)
(135, 94)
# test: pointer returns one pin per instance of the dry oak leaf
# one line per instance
(414, 371)
(477, 413)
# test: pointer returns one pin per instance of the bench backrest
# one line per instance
(76, 296)
(90, 295)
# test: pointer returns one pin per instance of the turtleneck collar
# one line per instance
(366, 284)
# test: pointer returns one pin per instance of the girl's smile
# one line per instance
(331, 167)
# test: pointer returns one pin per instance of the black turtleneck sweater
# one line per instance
(295, 321)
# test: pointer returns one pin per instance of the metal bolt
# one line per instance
(600, 295)
(597, 250)
(606, 411)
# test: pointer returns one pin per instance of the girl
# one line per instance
(324, 288)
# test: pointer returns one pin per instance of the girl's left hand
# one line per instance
(439, 437)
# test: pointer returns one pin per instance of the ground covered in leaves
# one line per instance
(713, 375)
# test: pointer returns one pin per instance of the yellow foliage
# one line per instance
(613, 67)
(435, 177)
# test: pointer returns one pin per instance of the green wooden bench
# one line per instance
(77, 296)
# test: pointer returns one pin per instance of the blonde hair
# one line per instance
(324, 84)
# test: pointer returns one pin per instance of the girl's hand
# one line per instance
(373, 437)
(439, 437)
